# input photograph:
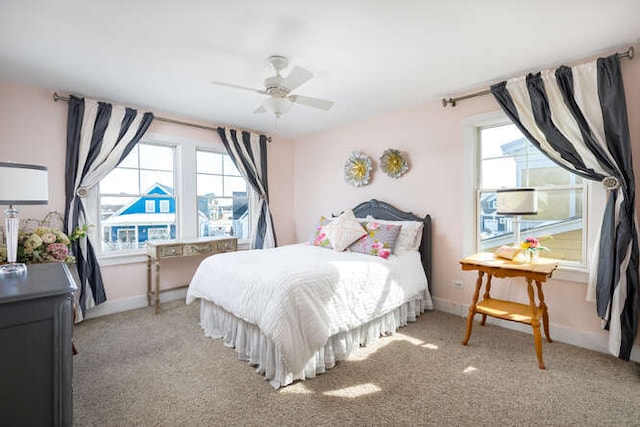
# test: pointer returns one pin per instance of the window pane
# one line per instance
(230, 167)
(131, 161)
(208, 162)
(120, 181)
(128, 222)
(209, 185)
(150, 179)
(558, 224)
(222, 197)
(498, 173)
(156, 157)
(233, 185)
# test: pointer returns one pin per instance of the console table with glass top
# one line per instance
(531, 314)
(161, 249)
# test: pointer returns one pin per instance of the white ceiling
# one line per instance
(369, 56)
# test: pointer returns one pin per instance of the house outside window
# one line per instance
(506, 159)
(222, 196)
(128, 198)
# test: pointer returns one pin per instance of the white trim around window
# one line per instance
(185, 194)
(595, 198)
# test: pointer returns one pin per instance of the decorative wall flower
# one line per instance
(393, 163)
(357, 169)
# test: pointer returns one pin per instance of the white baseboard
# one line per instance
(111, 307)
(584, 339)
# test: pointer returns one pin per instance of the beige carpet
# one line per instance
(136, 368)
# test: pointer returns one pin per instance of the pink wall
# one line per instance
(433, 138)
(306, 181)
(33, 130)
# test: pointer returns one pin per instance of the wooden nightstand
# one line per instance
(159, 249)
(492, 266)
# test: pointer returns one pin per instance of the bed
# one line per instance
(296, 310)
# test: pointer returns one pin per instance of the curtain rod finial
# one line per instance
(451, 101)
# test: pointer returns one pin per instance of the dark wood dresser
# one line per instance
(36, 366)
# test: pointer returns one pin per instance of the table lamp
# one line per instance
(20, 184)
(516, 202)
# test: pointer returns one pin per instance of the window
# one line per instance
(169, 188)
(128, 196)
(504, 158)
(222, 196)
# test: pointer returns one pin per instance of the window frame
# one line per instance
(593, 199)
(184, 192)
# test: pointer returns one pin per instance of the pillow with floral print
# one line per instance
(379, 240)
(319, 236)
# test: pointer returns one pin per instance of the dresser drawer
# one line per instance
(227, 245)
(200, 248)
(173, 250)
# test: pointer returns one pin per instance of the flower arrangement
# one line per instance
(44, 243)
(531, 244)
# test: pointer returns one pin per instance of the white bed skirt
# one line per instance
(257, 349)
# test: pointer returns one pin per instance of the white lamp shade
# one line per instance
(277, 105)
(22, 184)
(517, 201)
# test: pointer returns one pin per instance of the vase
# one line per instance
(533, 256)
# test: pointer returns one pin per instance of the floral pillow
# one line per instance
(319, 236)
(410, 234)
(379, 240)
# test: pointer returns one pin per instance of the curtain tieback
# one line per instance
(82, 192)
(263, 196)
(611, 183)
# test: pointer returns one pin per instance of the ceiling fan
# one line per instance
(279, 88)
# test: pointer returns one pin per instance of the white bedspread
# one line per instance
(300, 295)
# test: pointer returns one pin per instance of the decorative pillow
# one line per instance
(410, 234)
(379, 240)
(344, 230)
(319, 236)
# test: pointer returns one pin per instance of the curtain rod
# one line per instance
(57, 98)
(453, 101)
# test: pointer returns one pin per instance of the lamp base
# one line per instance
(13, 268)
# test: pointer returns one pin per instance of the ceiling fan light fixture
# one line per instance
(277, 106)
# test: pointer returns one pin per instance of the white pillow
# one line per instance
(410, 234)
(344, 230)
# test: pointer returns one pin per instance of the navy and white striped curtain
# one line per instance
(249, 153)
(577, 116)
(99, 137)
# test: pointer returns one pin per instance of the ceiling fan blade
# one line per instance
(260, 91)
(311, 102)
(260, 109)
(296, 77)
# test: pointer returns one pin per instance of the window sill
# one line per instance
(571, 274)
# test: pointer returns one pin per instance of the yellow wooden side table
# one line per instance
(531, 314)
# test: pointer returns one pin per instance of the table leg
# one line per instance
(148, 280)
(487, 295)
(472, 308)
(535, 324)
(545, 311)
(157, 287)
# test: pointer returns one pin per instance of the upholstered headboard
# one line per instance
(383, 210)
